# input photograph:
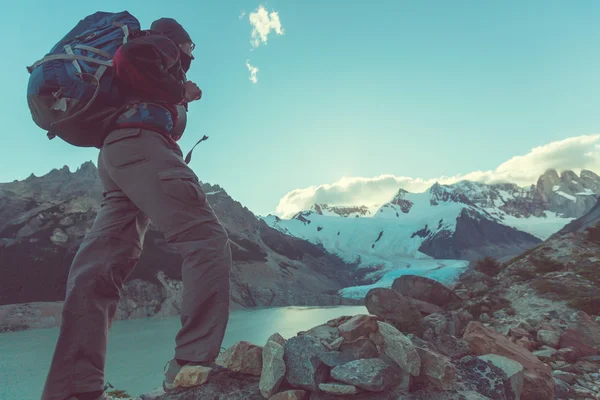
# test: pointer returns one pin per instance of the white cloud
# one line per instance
(263, 23)
(576, 153)
(253, 71)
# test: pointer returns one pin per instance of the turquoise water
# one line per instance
(138, 349)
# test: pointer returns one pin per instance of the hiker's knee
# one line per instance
(101, 267)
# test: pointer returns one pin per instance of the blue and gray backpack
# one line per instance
(70, 92)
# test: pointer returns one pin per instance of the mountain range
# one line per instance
(323, 256)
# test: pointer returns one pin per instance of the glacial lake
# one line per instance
(139, 349)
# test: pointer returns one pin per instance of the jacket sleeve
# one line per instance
(144, 64)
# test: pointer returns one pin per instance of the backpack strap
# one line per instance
(68, 57)
(94, 50)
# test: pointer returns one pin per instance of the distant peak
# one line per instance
(87, 166)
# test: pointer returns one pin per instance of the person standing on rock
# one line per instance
(145, 178)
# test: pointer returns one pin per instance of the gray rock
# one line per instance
(513, 370)
(325, 332)
(273, 368)
(546, 354)
(485, 378)
(360, 348)
(335, 358)
(277, 338)
(335, 345)
(549, 338)
(398, 347)
(562, 389)
(484, 318)
(304, 368)
(374, 374)
(338, 388)
(564, 376)
(447, 345)
(438, 369)
(448, 322)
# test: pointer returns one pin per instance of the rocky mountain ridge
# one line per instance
(44, 219)
(466, 220)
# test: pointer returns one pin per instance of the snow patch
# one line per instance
(555, 188)
(540, 227)
(567, 196)
(586, 192)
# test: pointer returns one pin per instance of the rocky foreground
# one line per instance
(421, 340)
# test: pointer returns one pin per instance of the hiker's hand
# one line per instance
(192, 91)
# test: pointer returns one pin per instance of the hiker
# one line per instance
(145, 179)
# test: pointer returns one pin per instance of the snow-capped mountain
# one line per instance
(462, 221)
(437, 232)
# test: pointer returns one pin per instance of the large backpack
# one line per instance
(70, 92)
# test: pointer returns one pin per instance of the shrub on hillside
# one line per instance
(544, 265)
(593, 233)
(488, 265)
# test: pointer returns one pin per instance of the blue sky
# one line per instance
(420, 89)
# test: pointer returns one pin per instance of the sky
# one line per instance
(345, 101)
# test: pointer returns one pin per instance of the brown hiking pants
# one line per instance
(145, 178)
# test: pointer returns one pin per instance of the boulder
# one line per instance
(324, 332)
(334, 358)
(338, 389)
(549, 338)
(360, 348)
(374, 374)
(398, 347)
(438, 369)
(243, 357)
(277, 338)
(304, 368)
(190, 376)
(484, 378)
(395, 309)
(273, 368)
(582, 334)
(428, 290)
(357, 327)
(512, 369)
(538, 381)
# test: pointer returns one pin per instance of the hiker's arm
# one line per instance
(143, 64)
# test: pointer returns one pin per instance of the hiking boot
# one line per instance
(173, 368)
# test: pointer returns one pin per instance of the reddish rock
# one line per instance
(570, 354)
(243, 357)
(526, 343)
(538, 382)
(394, 308)
(338, 321)
(519, 333)
(583, 334)
(428, 290)
(426, 308)
(357, 327)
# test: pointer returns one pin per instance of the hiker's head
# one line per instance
(174, 31)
